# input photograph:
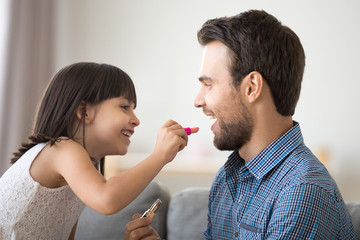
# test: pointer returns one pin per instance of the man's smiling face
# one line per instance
(221, 100)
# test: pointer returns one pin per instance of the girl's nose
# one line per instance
(134, 120)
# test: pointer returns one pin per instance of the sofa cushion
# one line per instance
(93, 225)
(187, 214)
(354, 210)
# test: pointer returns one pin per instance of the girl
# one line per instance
(86, 113)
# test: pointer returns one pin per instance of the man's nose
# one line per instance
(199, 100)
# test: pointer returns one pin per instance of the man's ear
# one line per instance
(253, 86)
(84, 109)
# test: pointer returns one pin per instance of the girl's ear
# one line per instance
(254, 86)
(84, 110)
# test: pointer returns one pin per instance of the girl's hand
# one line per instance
(171, 139)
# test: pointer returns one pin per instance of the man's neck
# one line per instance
(264, 133)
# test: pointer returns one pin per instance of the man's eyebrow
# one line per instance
(204, 78)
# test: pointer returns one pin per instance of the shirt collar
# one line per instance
(270, 156)
(275, 152)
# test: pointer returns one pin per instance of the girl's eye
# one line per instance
(125, 107)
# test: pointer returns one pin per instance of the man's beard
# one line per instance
(234, 135)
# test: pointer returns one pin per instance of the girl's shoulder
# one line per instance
(67, 148)
(45, 167)
(49, 166)
(63, 151)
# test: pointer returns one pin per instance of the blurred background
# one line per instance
(155, 42)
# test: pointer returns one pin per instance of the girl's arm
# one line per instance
(109, 196)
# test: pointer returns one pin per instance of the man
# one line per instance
(272, 186)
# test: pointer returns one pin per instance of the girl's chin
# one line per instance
(123, 151)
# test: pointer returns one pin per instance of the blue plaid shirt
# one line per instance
(282, 193)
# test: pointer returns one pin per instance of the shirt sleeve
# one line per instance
(207, 231)
(307, 211)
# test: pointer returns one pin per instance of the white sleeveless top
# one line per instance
(31, 211)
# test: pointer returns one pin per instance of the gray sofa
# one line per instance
(182, 216)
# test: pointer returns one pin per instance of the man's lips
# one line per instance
(213, 117)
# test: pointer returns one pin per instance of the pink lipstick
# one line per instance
(189, 131)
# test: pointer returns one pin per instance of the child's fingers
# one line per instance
(175, 128)
(174, 125)
(180, 136)
(170, 123)
(183, 142)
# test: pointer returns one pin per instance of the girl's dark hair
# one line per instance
(85, 81)
(257, 41)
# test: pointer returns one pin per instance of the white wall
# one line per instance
(155, 42)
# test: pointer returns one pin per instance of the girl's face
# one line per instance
(110, 126)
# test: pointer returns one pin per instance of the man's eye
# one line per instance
(206, 83)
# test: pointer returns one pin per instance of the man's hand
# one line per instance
(139, 228)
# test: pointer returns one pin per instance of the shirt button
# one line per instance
(236, 234)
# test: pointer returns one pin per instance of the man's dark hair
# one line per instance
(257, 41)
